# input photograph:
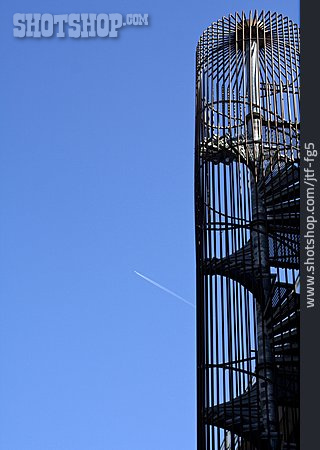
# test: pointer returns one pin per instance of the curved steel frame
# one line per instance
(247, 233)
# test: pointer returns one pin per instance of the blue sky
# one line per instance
(96, 181)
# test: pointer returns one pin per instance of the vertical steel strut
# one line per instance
(259, 238)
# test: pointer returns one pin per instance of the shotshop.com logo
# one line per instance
(85, 25)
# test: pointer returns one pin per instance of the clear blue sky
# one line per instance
(96, 181)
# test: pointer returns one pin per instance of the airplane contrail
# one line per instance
(164, 289)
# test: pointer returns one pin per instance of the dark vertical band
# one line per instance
(310, 226)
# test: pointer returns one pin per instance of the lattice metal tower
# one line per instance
(247, 233)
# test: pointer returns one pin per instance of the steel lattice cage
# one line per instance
(247, 201)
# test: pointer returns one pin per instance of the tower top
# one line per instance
(252, 29)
